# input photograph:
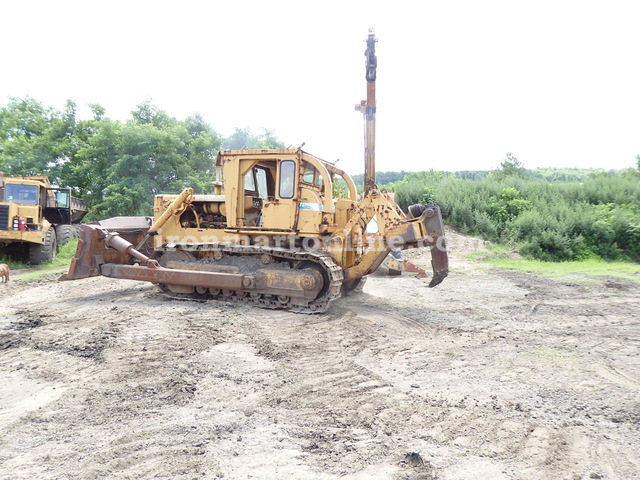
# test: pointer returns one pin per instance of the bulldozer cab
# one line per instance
(279, 191)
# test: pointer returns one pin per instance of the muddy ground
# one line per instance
(492, 375)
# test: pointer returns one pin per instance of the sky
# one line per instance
(460, 83)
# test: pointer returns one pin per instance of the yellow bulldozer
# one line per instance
(273, 233)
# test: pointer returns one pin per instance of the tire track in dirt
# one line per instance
(160, 375)
(330, 402)
(370, 416)
(128, 384)
(382, 344)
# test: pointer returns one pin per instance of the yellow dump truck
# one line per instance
(36, 217)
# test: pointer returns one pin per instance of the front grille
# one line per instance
(4, 217)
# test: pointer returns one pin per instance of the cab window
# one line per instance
(309, 174)
(23, 194)
(257, 181)
(263, 185)
(62, 199)
(249, 182)
(287, 178)
(312, 176)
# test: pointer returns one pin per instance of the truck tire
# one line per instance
(39, 254)
(64, 234)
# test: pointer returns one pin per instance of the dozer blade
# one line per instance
(92, 251)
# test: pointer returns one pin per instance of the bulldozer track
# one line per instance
(332, 275)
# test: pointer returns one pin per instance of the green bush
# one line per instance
(549, 245)
(579, 216)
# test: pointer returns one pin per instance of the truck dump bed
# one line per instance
(62, 208)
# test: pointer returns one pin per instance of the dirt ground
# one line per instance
(491, 375)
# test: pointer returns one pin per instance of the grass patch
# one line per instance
(493, 251)
(66, 253)
(502, 257)
(12, 262)
(58, 266)
(589, 268)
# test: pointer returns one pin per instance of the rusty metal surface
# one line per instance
(108, 253)
(439, 264)
(115, 240)
(305, 295)
(181, 265)
(431, 218)
(92, 251)
(171, 276)
(369, 107)
(305, 283)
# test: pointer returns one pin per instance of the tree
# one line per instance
(202, 147)
(243, 138)
(88, 170)
(147, 113)
(509, 167)
(268, 140)
(154, 154)
(33, 138)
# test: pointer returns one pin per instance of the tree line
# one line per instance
(547, 214)
(117, 167)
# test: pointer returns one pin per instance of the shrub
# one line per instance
(591, 216)
(550, 246)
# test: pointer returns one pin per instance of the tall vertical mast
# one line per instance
(368, 109)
